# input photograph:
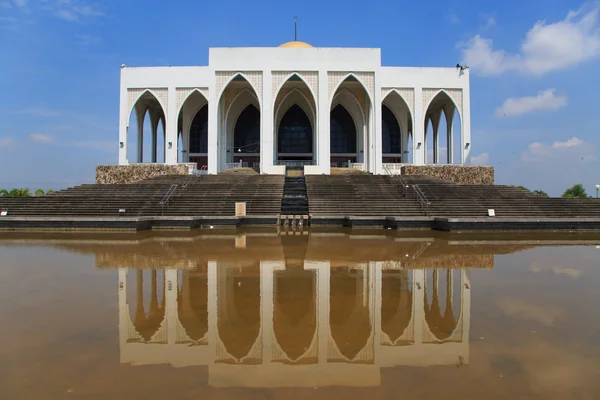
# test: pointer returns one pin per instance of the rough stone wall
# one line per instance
(463, 175)
(111, 174)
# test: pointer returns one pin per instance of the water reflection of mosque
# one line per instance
(297, 321)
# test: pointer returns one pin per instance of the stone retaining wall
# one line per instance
(464, 175)
(111, 174)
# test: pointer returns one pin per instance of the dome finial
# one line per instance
(295, 28)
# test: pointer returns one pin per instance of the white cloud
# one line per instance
(20, 3)
(545, 100)
(75, 10)
(545, 315)
(546, 47)
(5, 142)
(39, 138)
(573, 149)
(490, 22)
(482, 159)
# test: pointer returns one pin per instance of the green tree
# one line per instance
(524, 188)
(39, 192)
(22, 192)
(50, 191)
(3, 192)
(575, 191)
(540, 191)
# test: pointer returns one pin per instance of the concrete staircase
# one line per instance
(358, 195)
(209, 195)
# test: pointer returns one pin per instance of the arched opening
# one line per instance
(442, 302)
(147, 302)
(342, 134)
(295, 123)
(295, 136)
(192, 304)
(396, 130)
(295, 311)
(354, 98)
(246, 137)
(443, 132)
(238, 317)
(192, 130)
(396, 305)
(146, 130)
(349, 314)
(239, 125)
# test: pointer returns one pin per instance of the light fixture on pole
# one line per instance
(597, 188)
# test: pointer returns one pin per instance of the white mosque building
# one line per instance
(295, 105)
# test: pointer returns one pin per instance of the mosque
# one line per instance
(269, 108)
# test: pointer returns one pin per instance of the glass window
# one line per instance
(199, 132)
(390, 130)
(246, 135)
(295, 134)
(342, 131)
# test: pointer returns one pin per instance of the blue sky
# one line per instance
(533, 66)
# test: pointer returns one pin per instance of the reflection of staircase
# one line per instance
(294, 204)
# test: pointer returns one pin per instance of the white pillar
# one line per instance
(124, 116)
(435, 123)
(266, 302)
(213, 128)
(171, 133)
(418, 129)
(449, 133)
(465, 122)
(123, 322)
(375, 144)
(324, 110)
(267, 134)
(323, 283)
(154, 121)
(213, 312)
(140, 112)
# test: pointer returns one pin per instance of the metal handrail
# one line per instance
(167, 198)
(401, 182)
(421, 198)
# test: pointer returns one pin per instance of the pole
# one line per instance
(295, 29)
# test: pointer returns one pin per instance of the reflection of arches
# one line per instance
(148, 322)
(295, 311)
(238, 319)
(442, 107)
(396, 304)
(442, 326)
(192, 305)
(349, 315)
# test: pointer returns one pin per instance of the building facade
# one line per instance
(268, 108)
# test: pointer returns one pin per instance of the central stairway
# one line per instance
(294, 203)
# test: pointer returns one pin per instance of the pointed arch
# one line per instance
(187, 96)
(344, 79)
(446, 94)
(144, 93)
(231, 79)
(441, 103)
(287, 80)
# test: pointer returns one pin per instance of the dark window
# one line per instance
(246, 135)
(199, 132)
(390, 129)
(342, 131)
(295, 134)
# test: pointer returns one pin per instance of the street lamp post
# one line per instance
(597, 188)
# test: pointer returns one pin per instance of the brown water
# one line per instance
(328, 316)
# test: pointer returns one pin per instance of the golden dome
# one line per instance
(295, 45)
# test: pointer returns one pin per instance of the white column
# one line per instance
(418, 129)
(139, 117)
(171, 304)
(465, 122)
(171, 134)
(324, 111)
(213, 128)
(323, 277)
(266, 124)
(123, 322)
(435, 122)
(376, 295)
(375, 145)
(154, 121)
(124, 115)
(449, 134)
(266, 310)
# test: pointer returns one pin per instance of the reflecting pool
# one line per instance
(261, 315)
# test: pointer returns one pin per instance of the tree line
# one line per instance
(23, 192)
(576, 191)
